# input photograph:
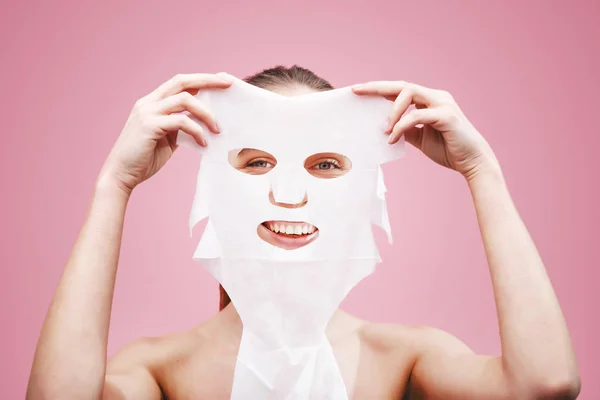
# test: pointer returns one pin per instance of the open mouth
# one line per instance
(287, 235)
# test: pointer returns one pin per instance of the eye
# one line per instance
(259, 164)
(251, 161)
(327, 165)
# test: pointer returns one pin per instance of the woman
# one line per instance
(395, 361)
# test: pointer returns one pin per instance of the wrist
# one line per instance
(485, 176)
(486, 168)
(107, 185)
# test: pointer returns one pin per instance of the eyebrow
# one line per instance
(242, 151)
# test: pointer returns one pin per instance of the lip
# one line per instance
(285, 241)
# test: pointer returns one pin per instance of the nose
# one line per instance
(288, 187)
(287, 205)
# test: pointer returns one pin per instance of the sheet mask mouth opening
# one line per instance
(286, 234)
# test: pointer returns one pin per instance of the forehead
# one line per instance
(291, 90)
(292, 128)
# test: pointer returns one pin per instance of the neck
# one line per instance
(340, 325)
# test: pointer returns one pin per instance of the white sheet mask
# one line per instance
(285, 298)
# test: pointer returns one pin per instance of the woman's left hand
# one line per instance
(446, 136)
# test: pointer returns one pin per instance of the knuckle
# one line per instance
(449, 114)
(402, 97)
(181, 120)
(140, 104)
(409, 90)
(208, 116)
(179, 80)
(446, 95)
(185, 98)
(416, 115)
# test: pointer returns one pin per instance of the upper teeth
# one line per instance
(289, 229)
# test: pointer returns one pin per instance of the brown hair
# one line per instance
(269, 79)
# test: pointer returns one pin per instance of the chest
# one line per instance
(208, 373)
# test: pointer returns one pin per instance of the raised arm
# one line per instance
(537, 359)
(70, 358)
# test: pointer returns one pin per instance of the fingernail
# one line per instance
(217, 128)
(388, 126)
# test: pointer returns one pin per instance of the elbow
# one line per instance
(554, 389)
(550, 380)
(47, 390)
(567, 389)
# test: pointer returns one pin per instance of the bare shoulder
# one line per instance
(410, 340)
(131, 372)
(389, 355)
(149, 352)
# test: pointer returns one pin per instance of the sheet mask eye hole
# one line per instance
(251, 161)
(327, 165)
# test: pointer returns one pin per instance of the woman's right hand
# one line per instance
(148, 138)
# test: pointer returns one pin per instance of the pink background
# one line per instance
(525, 74)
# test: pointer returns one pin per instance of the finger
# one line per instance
(180, 122)
(184, 101)
(225, 75)
(420, 94)
(182, 82)
(381, 88)
(401, 104)
(425, 116)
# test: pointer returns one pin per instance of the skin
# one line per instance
(320, 165)
(378, 361)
